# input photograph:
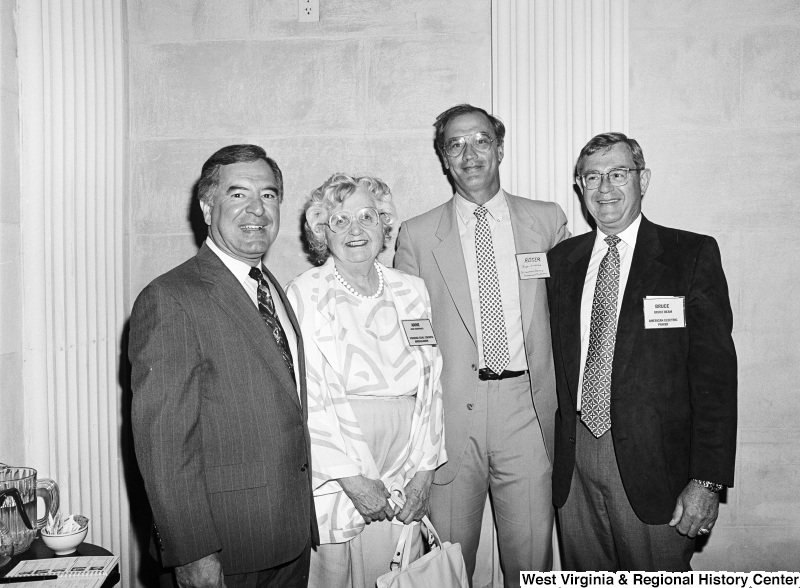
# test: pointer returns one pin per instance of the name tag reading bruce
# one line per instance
(664, 312)
(419, 332)
(532, 265)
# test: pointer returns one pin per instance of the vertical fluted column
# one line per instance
(72, 109)
(560, 76)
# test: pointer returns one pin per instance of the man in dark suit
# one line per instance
(480, 255)
(646, 376)
(219, 396)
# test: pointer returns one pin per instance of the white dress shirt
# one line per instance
(625, 247)
(241, 271)
(499, 219)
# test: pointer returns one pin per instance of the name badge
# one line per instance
(532, 265)
(419, 332)
(664, 312)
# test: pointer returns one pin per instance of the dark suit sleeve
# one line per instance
(712, 369)
(166, 379)
(405, 258)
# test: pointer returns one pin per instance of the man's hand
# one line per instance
(206, 572)
(369, 497)
(697, 508)
(417, 493)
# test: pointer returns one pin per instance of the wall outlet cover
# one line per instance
(308, 10)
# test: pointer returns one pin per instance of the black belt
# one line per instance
(487, 374)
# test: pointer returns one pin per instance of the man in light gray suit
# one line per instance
(481, 256)
(219, 397)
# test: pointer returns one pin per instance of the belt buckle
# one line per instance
(487, 374)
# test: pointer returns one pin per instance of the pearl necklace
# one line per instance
(353, 291)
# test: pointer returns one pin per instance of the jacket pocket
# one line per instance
(237, 477)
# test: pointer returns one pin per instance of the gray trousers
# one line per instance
(600, 531)
(506, 458)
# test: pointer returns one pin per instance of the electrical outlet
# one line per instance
(308, 10)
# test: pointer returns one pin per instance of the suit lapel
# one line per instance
(526, 240)
(450, 259)
(644, 275)
(569, 295)
(228, 293)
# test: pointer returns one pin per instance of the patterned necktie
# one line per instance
(596, 393)
(266, 308)
(493, 324)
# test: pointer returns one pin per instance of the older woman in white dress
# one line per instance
(375, 402)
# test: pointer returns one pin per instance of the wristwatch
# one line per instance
(715, 488)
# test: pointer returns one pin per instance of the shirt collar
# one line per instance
(628, 236)
(238, 268)
(497, 207)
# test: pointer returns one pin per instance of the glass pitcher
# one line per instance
(19, 491)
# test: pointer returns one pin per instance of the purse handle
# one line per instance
(402, 553)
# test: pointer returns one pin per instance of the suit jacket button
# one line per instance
(474, 368)
(158, 537)
(469, 406)
(304, 467)
(572, 439)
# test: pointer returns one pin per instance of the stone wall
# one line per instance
(715, 104)
(356, 92)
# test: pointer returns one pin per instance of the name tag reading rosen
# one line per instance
(664, 312)
(532, 265)
(419, 332)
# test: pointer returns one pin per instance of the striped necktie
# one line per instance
(266, 308)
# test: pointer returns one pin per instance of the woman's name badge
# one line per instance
(419, 332)
(532, 265)
(664, 312)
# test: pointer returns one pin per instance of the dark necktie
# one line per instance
(596, 393)
(493, 324)
(266, 308)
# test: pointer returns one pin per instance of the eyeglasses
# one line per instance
(481, 142)
(618, 176)
(367, 217)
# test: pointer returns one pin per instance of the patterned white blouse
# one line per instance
(376, 359)
(338, 447)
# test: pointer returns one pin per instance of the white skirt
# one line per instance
(386, 424)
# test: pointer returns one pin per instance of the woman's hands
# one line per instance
(369, 497)
(417, 496)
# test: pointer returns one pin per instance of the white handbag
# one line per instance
(442, 567)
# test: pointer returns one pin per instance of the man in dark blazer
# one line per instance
(498, 422)
(219, 397)
(646, 376)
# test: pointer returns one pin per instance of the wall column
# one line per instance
(72, 114)
(559, 77)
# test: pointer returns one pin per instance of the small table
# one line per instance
(38, 550)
